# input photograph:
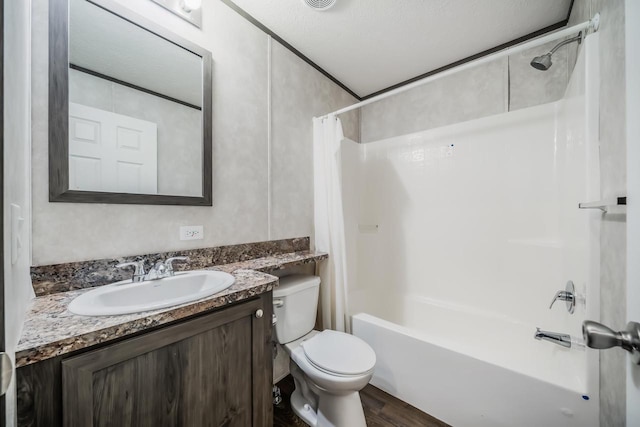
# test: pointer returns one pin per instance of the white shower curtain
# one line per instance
(329, 222)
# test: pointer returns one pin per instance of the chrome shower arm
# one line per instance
(577, 38)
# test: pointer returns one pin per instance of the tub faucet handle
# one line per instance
(568, 295)
(562, 296)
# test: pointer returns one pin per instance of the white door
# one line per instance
(632, 46)
(111, 152)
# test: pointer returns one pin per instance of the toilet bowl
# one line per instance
(329, 368)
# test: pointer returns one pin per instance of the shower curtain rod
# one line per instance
(592, 24)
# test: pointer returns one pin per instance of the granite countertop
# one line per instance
(272, 263)
(50, 330)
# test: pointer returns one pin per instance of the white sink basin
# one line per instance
(127, 297)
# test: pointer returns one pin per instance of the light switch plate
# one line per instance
(16, 232)
(192, 232)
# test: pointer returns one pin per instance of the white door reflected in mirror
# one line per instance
(111, 152)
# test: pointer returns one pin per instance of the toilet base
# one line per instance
(319, 408)
(341, 411)
(302, 409)
(333, 411)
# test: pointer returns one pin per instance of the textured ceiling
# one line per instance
(370, 45)
(105, 43)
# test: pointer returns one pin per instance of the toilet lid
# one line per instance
(339, 353)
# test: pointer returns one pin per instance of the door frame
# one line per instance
(3, 415)
(632, 64)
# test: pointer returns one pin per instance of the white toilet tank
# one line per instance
(297, 314)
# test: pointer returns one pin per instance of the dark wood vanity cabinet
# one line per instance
(211, 370)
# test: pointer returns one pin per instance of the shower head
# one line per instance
(543, 62)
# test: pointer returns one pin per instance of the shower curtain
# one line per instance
(329, 222)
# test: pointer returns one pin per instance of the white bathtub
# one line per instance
(474, 369)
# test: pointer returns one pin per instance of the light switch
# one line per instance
(17, 222)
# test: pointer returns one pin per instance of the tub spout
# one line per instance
(560, 339)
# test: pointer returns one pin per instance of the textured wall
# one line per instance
(298, 93)
(613, 181)
(471, 94)
(527, 86)
(179, 128)
(506, 84)
(244, 180)
(17, 134)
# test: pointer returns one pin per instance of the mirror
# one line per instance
(130, 109)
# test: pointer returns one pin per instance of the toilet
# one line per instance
(329, 368)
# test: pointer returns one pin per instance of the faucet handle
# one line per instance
(169, 262)
(562, 296)
(568, 295)
(138, 274)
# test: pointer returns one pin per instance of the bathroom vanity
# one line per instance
(207, 362)
(210, 369)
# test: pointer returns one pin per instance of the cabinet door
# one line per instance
(209, 371)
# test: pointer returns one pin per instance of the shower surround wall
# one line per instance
(478, 224)
(263, 100)
(485, 91)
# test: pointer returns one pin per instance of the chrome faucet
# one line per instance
(159, 271)
(139, 274)
(164, 269)
(556, 338)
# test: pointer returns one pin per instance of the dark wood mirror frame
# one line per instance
(59, 112)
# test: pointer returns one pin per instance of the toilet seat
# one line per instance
(339, 354)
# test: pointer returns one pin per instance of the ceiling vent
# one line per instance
(319, 4)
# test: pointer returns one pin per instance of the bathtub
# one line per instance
(475, 369)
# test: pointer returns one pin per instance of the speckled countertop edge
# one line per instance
(273, 263)
(50, 330)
